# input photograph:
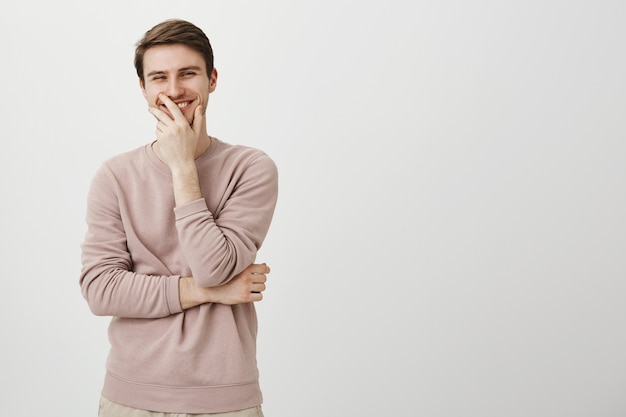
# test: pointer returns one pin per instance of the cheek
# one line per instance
(150, 94)
(150, 98)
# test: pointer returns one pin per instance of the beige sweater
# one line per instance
(201, 360)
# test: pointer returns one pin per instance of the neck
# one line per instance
(204, 141)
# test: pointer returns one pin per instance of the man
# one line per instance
(173, 231)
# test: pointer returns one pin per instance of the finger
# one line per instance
(197, 117)
(258, 278)
(160, 115)
(259, 269)
(258, 288)
(161, 128)
(257, 296)
(173, 108)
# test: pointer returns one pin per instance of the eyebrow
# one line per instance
(193, 67)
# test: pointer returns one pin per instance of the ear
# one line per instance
(212, 80)
(143, 89)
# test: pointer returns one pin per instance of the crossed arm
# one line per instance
(245, 287)
(178, 144)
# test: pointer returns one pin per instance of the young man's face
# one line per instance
(178, 72)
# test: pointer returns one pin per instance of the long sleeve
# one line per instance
(108, 281)
(218, 246)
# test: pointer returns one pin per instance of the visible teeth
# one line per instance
(181, 105)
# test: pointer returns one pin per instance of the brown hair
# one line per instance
(171, 32)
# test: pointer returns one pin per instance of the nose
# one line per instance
(174, 88)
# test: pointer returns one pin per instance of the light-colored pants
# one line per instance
(111, 409)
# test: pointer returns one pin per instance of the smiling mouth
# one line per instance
(181, 105)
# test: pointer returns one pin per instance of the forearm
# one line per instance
(213, 257)
(122, 293)
(186, 184)
(245, 287)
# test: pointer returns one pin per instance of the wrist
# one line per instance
(186, 184)
(189, 294)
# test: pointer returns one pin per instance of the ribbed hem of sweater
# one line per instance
(189, 400)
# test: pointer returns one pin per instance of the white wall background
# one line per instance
(450, 233)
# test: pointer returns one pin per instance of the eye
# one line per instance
(188, 74)
(158, 77)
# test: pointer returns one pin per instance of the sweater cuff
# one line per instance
(172, 294)
(193, 207)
